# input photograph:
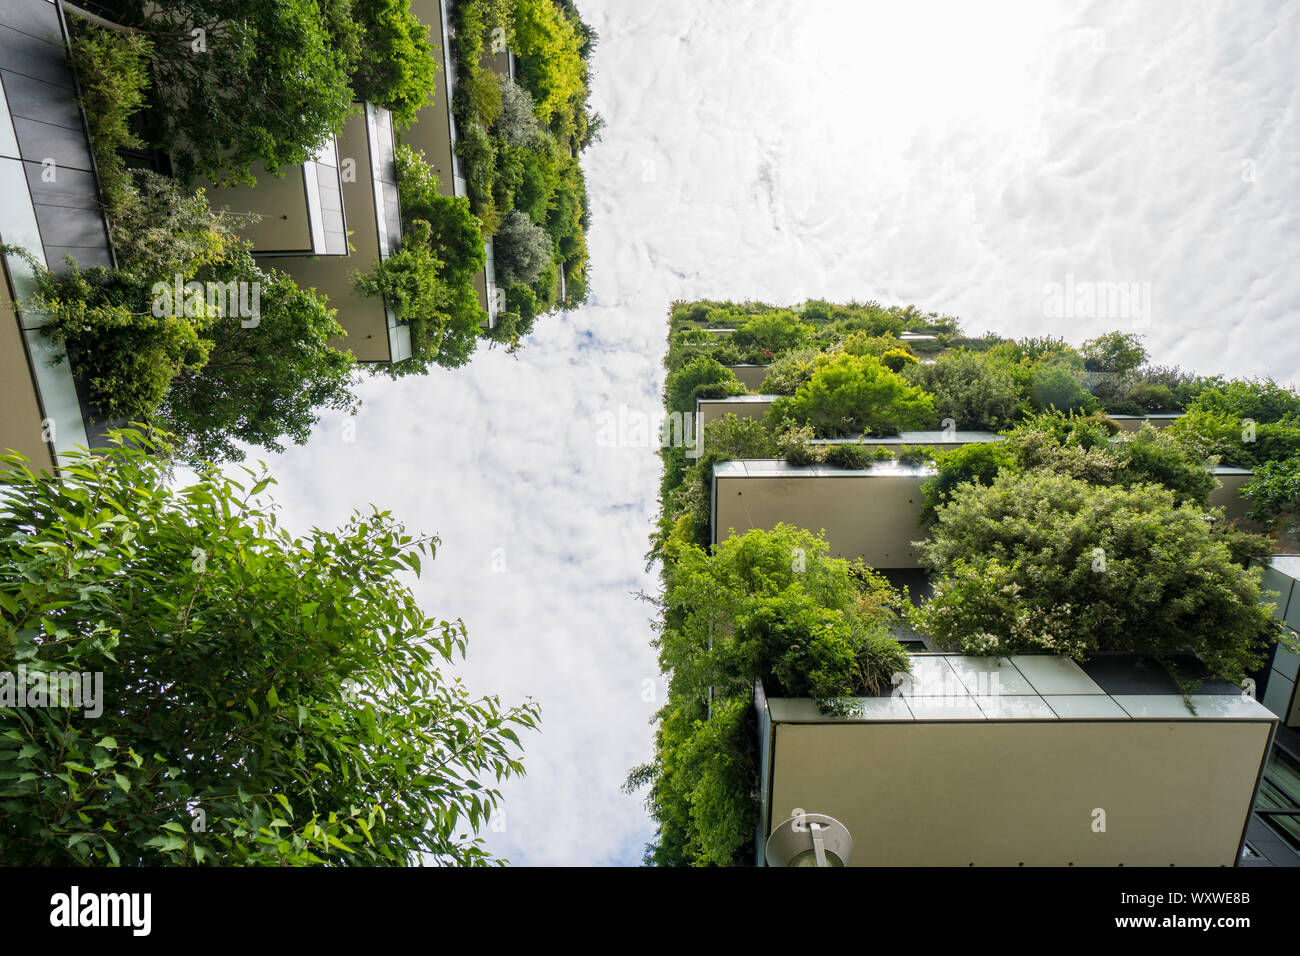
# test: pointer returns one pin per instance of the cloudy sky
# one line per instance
(989, 161)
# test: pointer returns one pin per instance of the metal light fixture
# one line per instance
(809, 839)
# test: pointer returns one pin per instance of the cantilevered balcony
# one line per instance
(1031, 760)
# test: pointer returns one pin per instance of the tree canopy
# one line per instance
(264, 699)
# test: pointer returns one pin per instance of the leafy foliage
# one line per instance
(392, 63)
(973, 391)
(1274, 490)
(113, 72)
(264, 384)
(851, 395)
(266, 699)
(702, 377)
(977, 463)
(1245, 423)
(769, 606)
(1114, 353)
(443, 319)
(1042, 561)
(262, 82)
(523, 249)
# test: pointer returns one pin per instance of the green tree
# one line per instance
(769, 334)
(522, 249)
(127, 355)
(1055, 384)
(769, 606)
(391, 62)
(1245, 423)
(240, 81)
(456, 235)
(288, 689)
(790, 371)
(851, 395)
(1114, 353)
(1274, 491)
(264, 383)
(517, 122)
(550, 52)
(113, 73)
(978, 462)
(1044, 562)
(444, 319)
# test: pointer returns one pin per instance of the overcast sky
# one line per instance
(969, 162)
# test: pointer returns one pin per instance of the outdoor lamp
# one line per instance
(809, 839)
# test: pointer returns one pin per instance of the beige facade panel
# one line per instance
(432, 130)
(20, 425)
(750, 376)
(1005, 793)
(873, 515)
(281, 203)
(1133, 423)
(364, 317)
(1228, 494)
(742, 406)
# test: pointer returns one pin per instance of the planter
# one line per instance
(1029, 760)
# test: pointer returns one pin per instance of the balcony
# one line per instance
(1031, 760)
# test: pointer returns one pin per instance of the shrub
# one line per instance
(968, 388)
(851, 395)
(113, 72)
(1212, 431)
(916, 455)
(1082, 447)
(1274, 491)
(794, 444)
(550, 48)
(393, 65)
(1054, 384)
(517, 122)
(1153, 398)
(979, 463)
(1044, 562)
(860, 343)
(522, 250)
(455, 236)
(854, 457)
(1114, 353)
(701, 377)
(768, 334)
(159, 230)
(444, 319)
(789, 372)
(271, 86)
(897, 359)
(264, 384)
(769, 606)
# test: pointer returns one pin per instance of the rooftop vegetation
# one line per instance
(519, 145)
(182, 77)
(1067, 536)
